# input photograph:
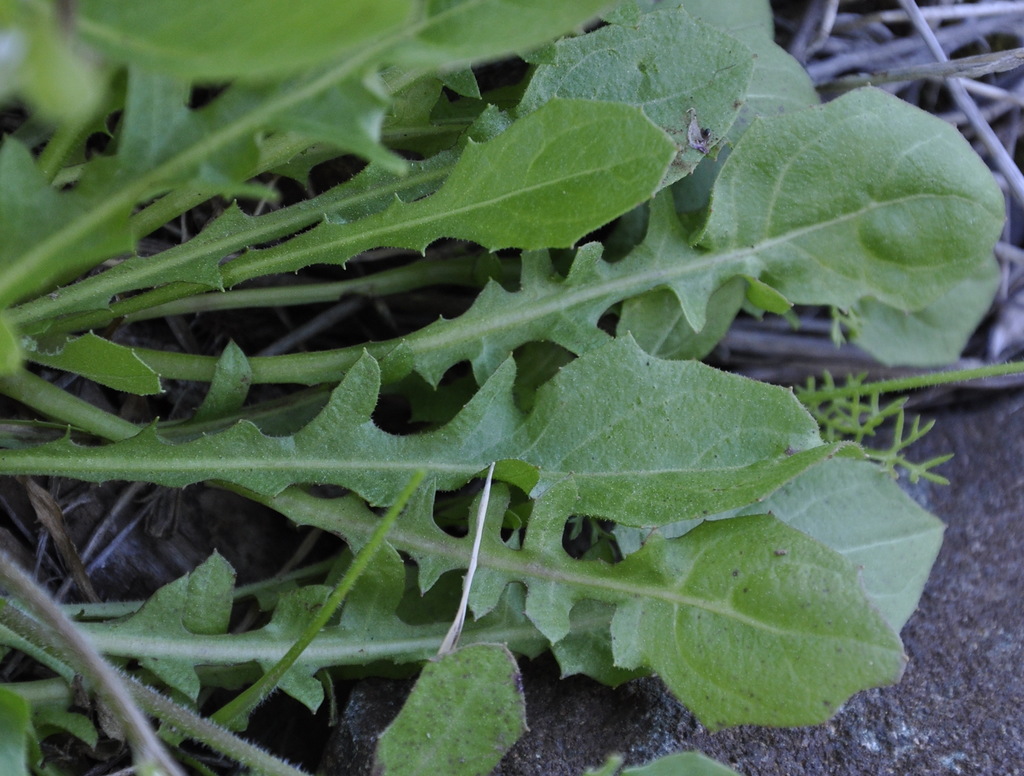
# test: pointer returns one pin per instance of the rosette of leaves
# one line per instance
(627, 196)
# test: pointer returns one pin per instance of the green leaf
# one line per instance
(348, 116)
(863, 514)
(208, 598)
(458, 31)
(476, 691)
(462, 82)
(585, 649)
(932, 336)
(782, 634)
(30, 212)
(683, 764)
(99, 360)
(746, 619)
(15, 728)
(656, 321)
(166, 616)
(647, 442)
(549, 179)
(220, 40)
(762, 295)
(45, 65)
(229, 387)
(779, 83)
(668, 64)
(917, 211)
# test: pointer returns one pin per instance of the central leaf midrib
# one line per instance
(564, 297)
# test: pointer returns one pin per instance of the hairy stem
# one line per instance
(150, 752)
(899, 384)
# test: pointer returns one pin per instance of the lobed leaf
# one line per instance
(647, 442)
(202, 600)
(392, 639)
(549, 179)
(197, 262)
(747, 620)
(914, 220)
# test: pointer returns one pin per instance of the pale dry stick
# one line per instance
(50, 515)
(871, 54)
(451, 640)
(150, 753)
(992, 112)
(965, 67)
(1000, 156)
(936, 13)
(994, 93)
(815, 29)
(94, 554)
(1008, 252)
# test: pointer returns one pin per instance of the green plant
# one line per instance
(574, 370)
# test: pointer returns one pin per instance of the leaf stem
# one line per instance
(53, 402)
(275, 150)
(150, 752)
(461, 270)
(216, 737)
(182, 720)
(234, 714)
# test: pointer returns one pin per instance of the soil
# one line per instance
(956, 711)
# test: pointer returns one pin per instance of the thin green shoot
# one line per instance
(235, 713)
(811, 394)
